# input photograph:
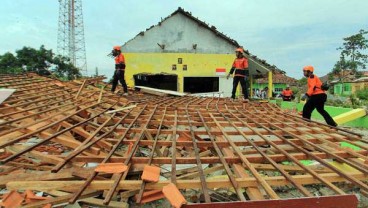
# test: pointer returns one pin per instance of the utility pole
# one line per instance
(342, 69)
(70, 41)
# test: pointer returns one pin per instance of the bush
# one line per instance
(338, 103)
(295, 90)
(362, 94)
(354, 101)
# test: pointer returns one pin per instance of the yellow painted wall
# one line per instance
(198, 65)
(358, 86)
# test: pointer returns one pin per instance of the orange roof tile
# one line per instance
(12, 199)
(31, 197)
(279, 78)
(151, 173)
(149, 196)
(111, 168)
(130, 147)
(174, 196)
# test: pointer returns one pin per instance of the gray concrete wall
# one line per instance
(178, 33)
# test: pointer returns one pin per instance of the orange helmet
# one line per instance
(308, 68)
(239, 50)
(117, 48)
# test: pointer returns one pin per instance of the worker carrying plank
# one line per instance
(240, 66)
(287, 94)
(119, 70)
(315, 96)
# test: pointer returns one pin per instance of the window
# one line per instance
(173, 67)
(180, 60)
(278, 89)
(184, 67)
(347, 88)
(337, 89)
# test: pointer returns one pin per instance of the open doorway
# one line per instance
(158, 81)
(201, 84)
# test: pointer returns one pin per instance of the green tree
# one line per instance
(352, 56)
(8, 60)
(341, 66)
(353, 49)
(330, 76)
(40, 61)
(9, 63)
(35, 60)
(65, 69)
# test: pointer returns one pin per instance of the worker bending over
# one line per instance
(316, 97)
(287, 94)
(119, 70)
(240, 66)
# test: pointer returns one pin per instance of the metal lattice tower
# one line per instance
(70, 42)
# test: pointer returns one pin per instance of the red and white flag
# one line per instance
(220, 71)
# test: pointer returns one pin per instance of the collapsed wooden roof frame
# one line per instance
(56, 111)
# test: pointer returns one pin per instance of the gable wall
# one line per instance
(178, 33)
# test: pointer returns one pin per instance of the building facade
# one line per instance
(195, 55)
(279, 83)
(347, 88)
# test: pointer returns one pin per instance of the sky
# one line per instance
(287, 33)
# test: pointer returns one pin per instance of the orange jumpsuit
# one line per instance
(317, 99)
(287, 94)
(119, 73)
(240, 66)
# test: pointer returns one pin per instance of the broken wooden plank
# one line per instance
(159, 92)
(181, 184)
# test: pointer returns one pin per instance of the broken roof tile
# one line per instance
(111, 168)
(151, 173)
(12, 200)
(174, 196)
(149, 196)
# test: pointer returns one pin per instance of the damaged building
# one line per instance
(185, 54)
(77, 143)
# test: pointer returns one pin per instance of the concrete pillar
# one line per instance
(270, 84)
(180, 83)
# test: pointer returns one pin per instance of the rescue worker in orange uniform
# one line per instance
(240, 66)
(316, 97)
(287, 94)
(119, 70)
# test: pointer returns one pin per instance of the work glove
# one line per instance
(304, 97)
(228, 75)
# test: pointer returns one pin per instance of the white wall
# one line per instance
(178, 33)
